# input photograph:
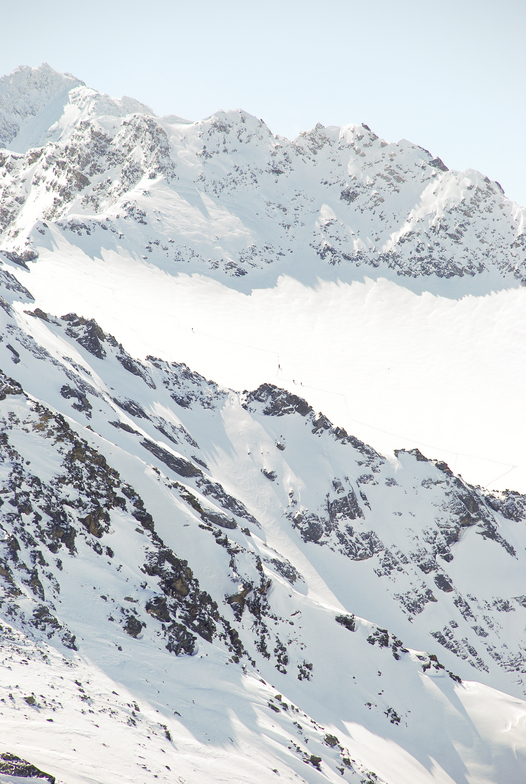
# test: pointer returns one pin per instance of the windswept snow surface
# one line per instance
(210, 581)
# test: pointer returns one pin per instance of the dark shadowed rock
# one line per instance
(11, 765)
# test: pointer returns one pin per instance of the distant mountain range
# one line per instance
(226, 197)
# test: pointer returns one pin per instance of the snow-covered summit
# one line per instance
(31, 101)
(39, 105)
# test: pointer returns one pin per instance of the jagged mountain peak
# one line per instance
(40, 105)
(26, 89)
(249, 203)
(30, 101)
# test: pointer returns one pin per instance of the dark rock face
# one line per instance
(179, 640)
(133, 626)
(510, 504)
(348, 621)
(338, 534)
(230, 504)
(8, 386)
(277, 402)
(184, 600)
(345, 507)
(349, 195)
(438, 163)
(12, 284)
(14, 352)
(216, 518)
(178, 465)
(82, 403)
(132, 408)
(270, 400)
(443, 583)
(11, 765)
(21, 259)
(87, 333)
(186, 387)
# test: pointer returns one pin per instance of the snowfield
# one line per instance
(396, 368)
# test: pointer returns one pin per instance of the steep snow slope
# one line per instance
(393, 367)
(230, 586)
(388, 286)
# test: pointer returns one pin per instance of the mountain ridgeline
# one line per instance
(226, 197)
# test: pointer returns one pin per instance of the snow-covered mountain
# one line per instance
(342, 614)
(39, 105)
(208, 584)
(233, 199)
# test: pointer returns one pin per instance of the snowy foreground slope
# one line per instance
(206, 585)
(203, 584)
(390, 287)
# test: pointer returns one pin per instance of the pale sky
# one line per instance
(448, 75)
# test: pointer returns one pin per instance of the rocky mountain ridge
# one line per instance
(142, 505)
(245, 202)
